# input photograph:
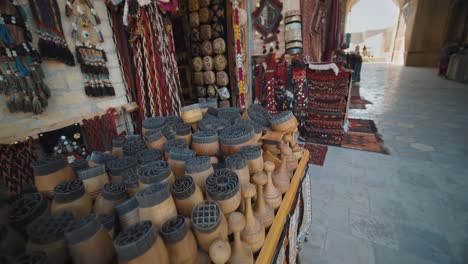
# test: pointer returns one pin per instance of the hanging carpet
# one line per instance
(16, 164)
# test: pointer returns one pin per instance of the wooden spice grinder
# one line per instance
(128, 212)
(70, 196)
(179, 240)
(89, 241)
(93, 179)
(209, 224)
(51, 171)
(117, 167)
(177, 159)
(199, 168)
(254, 232)
(155, 204)
(205, 143)
(112, 194)
(186, 195)
(155, 172)
(140, 244)
(241, 252)
(223, 187)
(263, 211)
(253, 155)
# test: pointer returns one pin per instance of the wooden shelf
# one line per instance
(273, 237)
(20, 136)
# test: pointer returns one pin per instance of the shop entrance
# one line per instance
(371, 26)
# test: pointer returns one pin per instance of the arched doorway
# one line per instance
(372, 27)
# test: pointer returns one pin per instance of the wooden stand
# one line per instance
(273, 236)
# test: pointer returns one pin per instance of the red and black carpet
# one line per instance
(318, 153)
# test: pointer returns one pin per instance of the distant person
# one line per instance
(364, 51)
(356, 50)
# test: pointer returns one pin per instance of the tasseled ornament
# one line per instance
(27, 107)
(36, 105)
(23, 71)
(9, 103)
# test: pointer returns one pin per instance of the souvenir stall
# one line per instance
(187, 139)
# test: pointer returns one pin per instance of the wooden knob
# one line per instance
(236, 222)
(214, 160)
(220, 251)
(269, 166)
(248, 190)
(260, 178)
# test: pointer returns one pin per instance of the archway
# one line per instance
(372, 24)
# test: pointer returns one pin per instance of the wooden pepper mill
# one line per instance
(71, 196)
(254, 231)
(88, 241)
(112, 194)
(153, 123)
(117, 167)
(132, 147)
(140, 244)
(155, 204)
(155, 172)
(287, 153)
(51, 171)
(179, 240)
(220, 251)
(205, 143)
(223, 187)
(28, 209)
(184, 131)
(99, 157)
(234, 137)
(148, 155)
(48, 236)
(11, 242)
(238, 164)
(241, 252)
(172, 144)
(128, 212)
(186, 195)
(155, 139)
(78, 165)
(177, 159)
(253, 155)
(209, 224)
(271, 194)
(131, 181)
(281, 177)
(263, 211)
(117, 147)
(93, 179)
(199, 168)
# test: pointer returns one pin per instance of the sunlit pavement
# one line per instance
(407, 207)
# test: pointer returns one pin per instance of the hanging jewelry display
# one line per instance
(21, 77)
(267, 18)
(52, 43)
(91, 57)
(156, 68)
(270, 79)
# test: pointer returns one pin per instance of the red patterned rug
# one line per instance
(318, 153)
(362, 125)
(357, 102)
(364, 141)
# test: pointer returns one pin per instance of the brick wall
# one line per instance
(68, 99)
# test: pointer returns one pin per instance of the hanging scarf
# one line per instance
(157, 74)
(52, 43)
(123, 48)
(16, 164)
(93, 133)
(109, 127)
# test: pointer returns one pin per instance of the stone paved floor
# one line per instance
(407, 207)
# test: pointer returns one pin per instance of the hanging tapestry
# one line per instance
(93, 134)
(269, 99)
(21, 76)
(158, 82)
(313, 28)
(16, 164)
(52, 43)
(299, 82)
(91, 57)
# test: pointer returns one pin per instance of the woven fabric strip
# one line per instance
(16, 164)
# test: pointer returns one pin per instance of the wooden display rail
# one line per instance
(130, 107)
(268, 250)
